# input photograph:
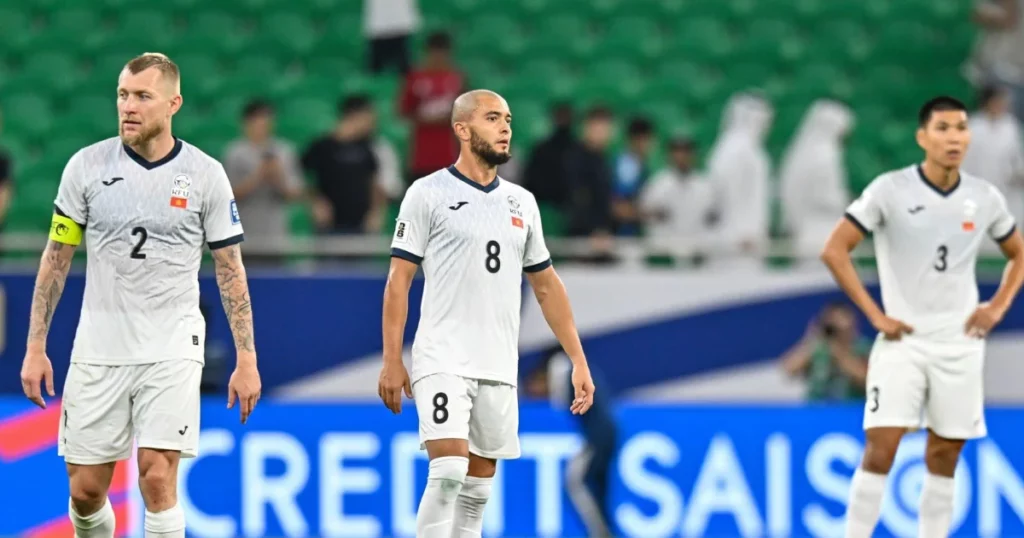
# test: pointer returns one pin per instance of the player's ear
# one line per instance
(920, 136)
(176, 102)
(461, 130)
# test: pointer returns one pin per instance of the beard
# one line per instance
(485, 151)
(142, 136)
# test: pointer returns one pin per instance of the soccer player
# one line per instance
(475, 235)
(928, 221)
(144, 203)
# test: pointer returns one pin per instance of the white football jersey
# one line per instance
(474, 243)
(145, 226)
(926, 245)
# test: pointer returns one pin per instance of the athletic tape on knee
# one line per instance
(476, 487)
(449, 468)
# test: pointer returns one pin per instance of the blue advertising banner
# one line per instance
(356, 470)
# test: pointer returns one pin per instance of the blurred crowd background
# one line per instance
(704, 128)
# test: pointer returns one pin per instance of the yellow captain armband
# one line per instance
(65, 230)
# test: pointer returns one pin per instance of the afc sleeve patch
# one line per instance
(402, 229)
(235, 219)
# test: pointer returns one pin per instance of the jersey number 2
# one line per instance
(940, 263)
(493, 262)
(143, 235)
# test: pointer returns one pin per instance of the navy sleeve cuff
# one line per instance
(61, 212)
(853, 220)
(1006, 235)
(537, 267)
(406, 255)
(214, 245)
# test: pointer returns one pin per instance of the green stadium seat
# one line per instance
(94, 116)
(144, 30)
(284, 32)
(48, 72)
(20, 31)
(704, 40)
(343, 34)
(636, 39)
(80, 29)
(301, 120)
(335, 65)
(213, 32)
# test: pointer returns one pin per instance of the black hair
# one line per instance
(639, 127)
(357, 102)
(256, 107)
(941, 103)
(599, 112)
(988, 93)
(439, 41)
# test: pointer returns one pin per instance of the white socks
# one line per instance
(169, 523)
(98, 525)
(469, 507)
(437, 506)
(936, 512)
(865, 503)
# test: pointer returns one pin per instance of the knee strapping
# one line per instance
(447, 475)
(474, 495)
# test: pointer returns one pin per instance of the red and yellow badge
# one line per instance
(517, 222)
(179, 202)
(970, 210)
(968, 226)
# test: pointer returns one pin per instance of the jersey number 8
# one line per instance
(492, 262)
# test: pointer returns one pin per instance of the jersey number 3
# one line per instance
(493, 262)
(143, 236)
(940, 262)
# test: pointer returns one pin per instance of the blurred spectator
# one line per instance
(388, 24)
(812, 178)
(677, 204)
(6, 182)
(832, 356)
(427, 99)
(389, 169)
(999, 52)
(588, 473)
(739, 168)
(631, 172)
(996, 152)
(546, 172)
(590, 180)
(264, 173)
(349, 198)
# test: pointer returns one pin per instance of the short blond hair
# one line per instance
(168, 69)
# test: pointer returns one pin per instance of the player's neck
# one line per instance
(940, 176)
(155, 149)
(476, 170)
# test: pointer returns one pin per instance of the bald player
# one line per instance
(474, 234)
(145, 203)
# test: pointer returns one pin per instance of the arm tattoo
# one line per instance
(234, 295)
(53, 272)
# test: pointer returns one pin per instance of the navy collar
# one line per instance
(486, 188)
(149, 165)
(932, 186)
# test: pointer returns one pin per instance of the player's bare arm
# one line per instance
(394, 378)
(836, 256)
(53, 273)
(234, 295)
(553, 299)
(990, 313)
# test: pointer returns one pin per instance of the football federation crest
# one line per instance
(180, 191)
(970, 210)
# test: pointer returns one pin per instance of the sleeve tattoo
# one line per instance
(53, 272)
(234, 295)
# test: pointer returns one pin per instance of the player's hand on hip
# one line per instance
(583, 386)
(244, 385)
(984, 318)
(36, 369)
(892, 328)
(394, 379)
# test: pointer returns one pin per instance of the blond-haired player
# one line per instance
(145, 203)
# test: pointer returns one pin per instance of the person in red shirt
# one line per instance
(426, 100)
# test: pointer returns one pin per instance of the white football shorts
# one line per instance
(105, 408)
(922, 383)
(486, 413)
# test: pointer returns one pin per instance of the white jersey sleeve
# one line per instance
(71, 199)
(221, 222)
(536, 256)
(412, 228)
(867, 212)
(1002, 225)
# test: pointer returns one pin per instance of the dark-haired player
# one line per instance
(928, 221)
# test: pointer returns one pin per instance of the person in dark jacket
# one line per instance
(545, 173)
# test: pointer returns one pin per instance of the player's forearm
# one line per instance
(53, 273)
(1009, 287)
(554, 304)
(845, 274)
(396, 311)
(234, 296)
